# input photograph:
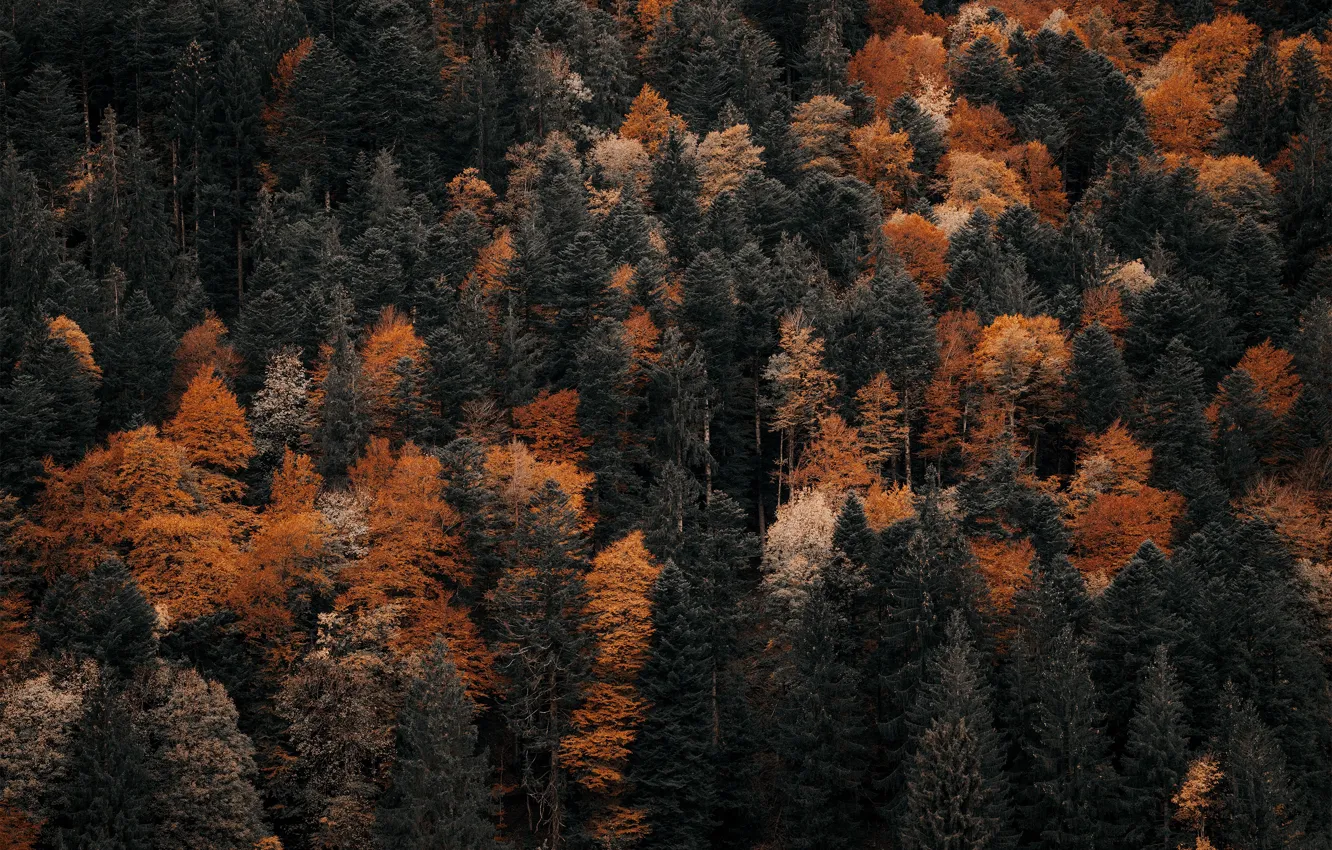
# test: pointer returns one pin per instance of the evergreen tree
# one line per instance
(957, 790)
(1256, 127)
(1156, 757)
(137, 363)
(1071, 782)
(1251, 279)
(674, 193)
(29, 432)
(673, 766)
(47, 127)
(540, 608)
(1103, 384)
(1260, 808)
(440, 796)
(105, 617)
(105, 798)
(72, 382)
(343, 418)
(819, 728)
(1174, 425)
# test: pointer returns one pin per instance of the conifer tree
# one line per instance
(105, 798)
(48, 128)
(1256, 127)
(343, 418)
(957, 790)
(29, 432)
(105, 616)
(1102, 381)
(673, 767)
(1259, 804)
(674, 192)
(540, 608)
(1156, 757)
(440, 796)
(1174, 425)
(1251, 279)
(137, 363)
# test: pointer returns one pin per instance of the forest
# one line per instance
(665, 425)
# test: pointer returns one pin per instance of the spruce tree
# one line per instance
(1256, 127)
(820, 729)
(343, 418)
(1251, 279)
(29, 432)
(1156, 757)
(105, 797)
(673, 768)
(48, 128)
(72, 382)
(1103, 385)
(105, 617)
(1260, 808)
(440, 793)
(957, 790)
(1071, 781)
(539, 606)
(1174, 425)
(137, 364)
(674, 193)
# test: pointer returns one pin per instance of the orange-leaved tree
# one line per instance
(650, 121)
(835, 461)
(1024, 361)
(619, 588)
(802, 389)
(202, 346)
(549, 425)
(390, 364)
(922, 247)
(210, 425)
(882, 158)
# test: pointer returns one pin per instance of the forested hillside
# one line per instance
(665, 424)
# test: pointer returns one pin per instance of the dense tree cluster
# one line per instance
(669, 424)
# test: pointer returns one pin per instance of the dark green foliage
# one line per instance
(957, 789)
(137, 361)
(1256, 127)
(673, 766)
(1156, 757)
(343, 420)
(48, 128)
(103, 616)
(1103, 385)
(29, 432)
(1173, 424)
(1251, 279)
(1259, 805)
(440, 793)
(105, 798)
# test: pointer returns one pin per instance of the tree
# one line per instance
(1260, 809)
(440, 795)
(802, 388)
(882, 158)
(822, 126)
(106, 797)
(48, 127)
(726, 157)
(204, 764)
(1103, 385)
(1156, 757)
(210, 426)
(540, 606)
(1174, 426)
(673, 767)
(105, 617)
(650, 121)
(343, 422)
(29, 432)
(957, 792)
(280, 414)
(137, 363)
(1256, 127)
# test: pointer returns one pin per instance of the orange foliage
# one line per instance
(642, 334)
(899, 64)
(492, 265)
(392, 340)
(922, 247)
(469, 192)
(958, 333)
(882, 426)
(619, 587)
(1179, 115)
(1111, 462)
(1104, 304)
(978, 129)
(415, 560)
(1024, 360)
(17, 830)
(282, 556)
(139, 498)
(210, 426)
(1114, 525)
(977, 181)
(1272, 371)
(837, 460)
(286, 74)
(650, 120)
(888, 15)
(1043, 180)
(1216, 53)
(885, 507)
(882, 159)
(1004, 564)
(68, 331)
(1304, 526)
(202, 346)
(16, 638)
(517, 475)
(550, 425)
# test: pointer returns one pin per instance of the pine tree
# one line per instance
(1103, 384)
(820, 731)
(440, 796)
(105, 798)
(72, 378)
(673, 767)
(957, 791)
(1071, 781)
(105, 617)
(1156, 758)
(137, 363)
(343, 418)
(903, 346)
(985, 75)
(540, 608)
(29, 432)
(1256, 127)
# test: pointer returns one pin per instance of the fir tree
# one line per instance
(1256, 127)
(137, 363)
(1251, 279)
(105, 797)
(29, 432)
(1103, 383)
(674, 192)
(1174, 425)
(105, 617)
(957, 790)
(440, 796)
(47, 127)
(1260, 808)
(1156, 757)
(673, 766)
(343, 418)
